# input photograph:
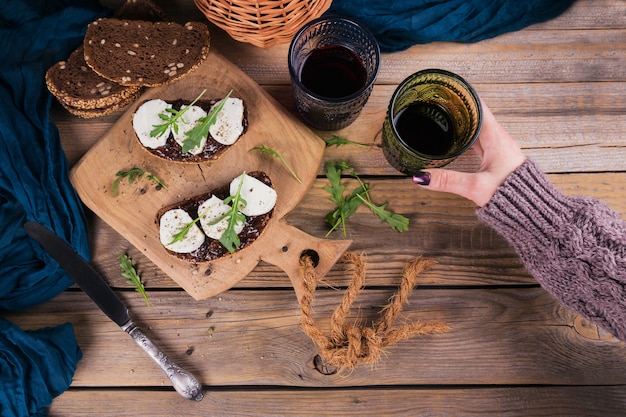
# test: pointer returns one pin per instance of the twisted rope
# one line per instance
(349, 344)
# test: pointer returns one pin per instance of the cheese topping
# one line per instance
(260, 198)
(185, 123)
(146, 118)
(211, 210)
(229, 123)
(172, 222)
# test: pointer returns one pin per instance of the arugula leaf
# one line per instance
(338, 141)
(230, 238)
(171, 117)
(336, 189)
(180, 235)
(276, 154)
(344, 209)
(345, 206)
(132, 277)
(396, 221)
(134, 174)
(194, 137)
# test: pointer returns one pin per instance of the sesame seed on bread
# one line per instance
(76, 85)
(143, 53)
(104, 111)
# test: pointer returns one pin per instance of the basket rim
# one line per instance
(269, 21)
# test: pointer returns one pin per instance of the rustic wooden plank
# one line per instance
(468, 252)
(254, 338)
(588, 14)
(590, 120)
(524, 56)
(584, 14)
(587, 40)
(403, 401)
(530, 56)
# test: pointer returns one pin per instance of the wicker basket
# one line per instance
(264, 22)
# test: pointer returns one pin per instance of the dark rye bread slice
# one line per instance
(104, 111)
(172, 151)
(212, 248)
(76, 85)
(142, 53)
(83, 92)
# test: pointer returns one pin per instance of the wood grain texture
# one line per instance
(566, 401)
(516, 336)
(559, 87)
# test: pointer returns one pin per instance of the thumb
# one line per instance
(437, 179)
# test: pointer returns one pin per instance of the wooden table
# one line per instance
(559, 87)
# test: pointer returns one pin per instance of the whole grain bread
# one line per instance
(104, 111)
(85, 93)
(143, 53)
(76, 85)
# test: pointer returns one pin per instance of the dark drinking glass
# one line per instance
(333, 63)
(433, 117)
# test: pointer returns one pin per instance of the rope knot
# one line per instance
(350, 344)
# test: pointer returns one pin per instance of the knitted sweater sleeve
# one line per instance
(575, 247)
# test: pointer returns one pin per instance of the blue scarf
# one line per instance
(399, 24)
(35, 366)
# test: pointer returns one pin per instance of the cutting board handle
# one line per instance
(290, 243)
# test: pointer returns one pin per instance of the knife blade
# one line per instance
(99, 291)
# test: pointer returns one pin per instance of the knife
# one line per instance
(99, 291)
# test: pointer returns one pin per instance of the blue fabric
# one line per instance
(35, 367)
(399, 24)
(34, 185)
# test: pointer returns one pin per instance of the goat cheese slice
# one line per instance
(228, 125)
(172, 222)
(145, 119)
(185, 123)
(211, 210)
(260, 198)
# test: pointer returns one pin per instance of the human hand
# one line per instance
(500, 156)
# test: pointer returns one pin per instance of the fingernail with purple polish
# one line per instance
(421, 178)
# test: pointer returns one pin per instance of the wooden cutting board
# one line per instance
(132, 212)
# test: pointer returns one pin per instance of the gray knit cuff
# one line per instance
(527, 204)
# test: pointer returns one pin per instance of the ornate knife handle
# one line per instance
(183, 381)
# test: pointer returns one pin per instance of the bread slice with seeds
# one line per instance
(76, 85)
(143, 53)
(82, 91)
(103, 111)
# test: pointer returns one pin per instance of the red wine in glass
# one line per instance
(333, 71)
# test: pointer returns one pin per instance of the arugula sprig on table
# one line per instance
(338, 141)
(193, 138)
(171, 117)
(132, 277)
(133, 174)
(346, 205)
(263, 149)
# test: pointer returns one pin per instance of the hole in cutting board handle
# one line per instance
(315, 257)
